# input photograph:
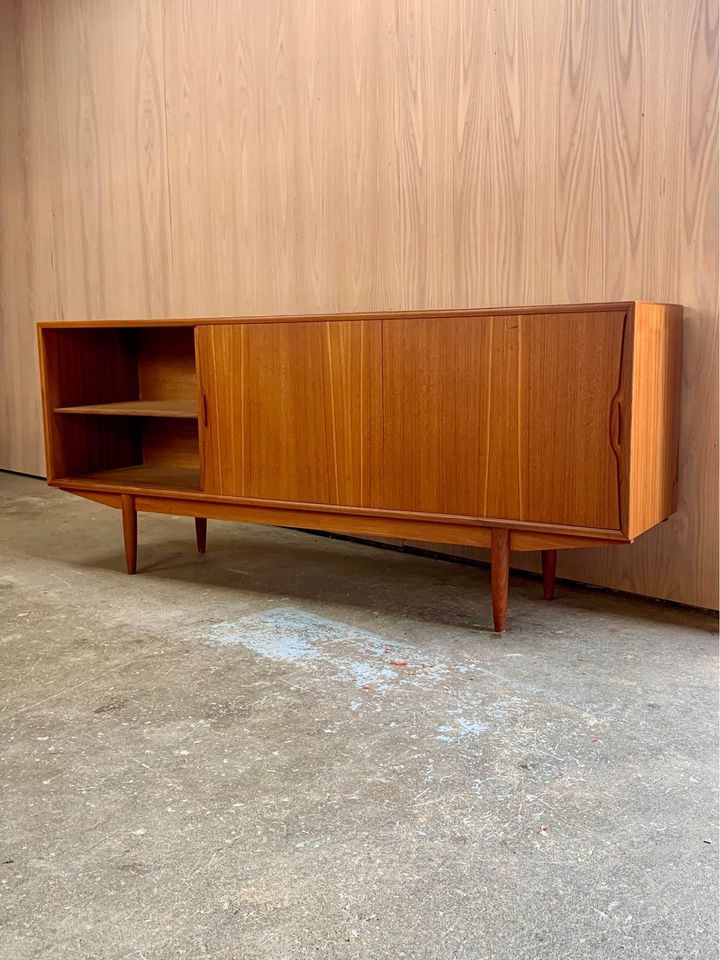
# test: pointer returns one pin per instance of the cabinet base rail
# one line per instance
(500, 543)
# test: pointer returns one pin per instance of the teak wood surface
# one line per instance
(504, 418)
(186, 410)
(538, 428)
(292, 411)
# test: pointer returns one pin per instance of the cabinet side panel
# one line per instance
(48, 419)
(657, 356)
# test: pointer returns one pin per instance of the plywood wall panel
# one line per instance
(105, 114)
(236, 156)
(27, 274)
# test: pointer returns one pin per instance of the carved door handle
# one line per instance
(616, 424)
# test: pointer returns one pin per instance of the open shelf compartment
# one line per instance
(121, 406)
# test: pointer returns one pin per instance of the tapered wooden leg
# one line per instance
(201, 533)
(129, 521)
(549, 564)
(500, 576)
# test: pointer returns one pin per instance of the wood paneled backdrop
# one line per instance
(210, 157)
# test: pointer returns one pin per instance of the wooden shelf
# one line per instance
(138, 477)
(185, 409)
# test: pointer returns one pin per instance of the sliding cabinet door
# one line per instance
(507, 417)
(291, 411)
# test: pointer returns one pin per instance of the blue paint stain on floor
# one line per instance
(349, 654)
(352, 655)
(460, 726)
(294, 636)
(466, 717)
(273, 641)
(470, 727)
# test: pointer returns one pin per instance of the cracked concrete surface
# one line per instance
(299, 747)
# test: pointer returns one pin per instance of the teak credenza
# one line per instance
(526, 428)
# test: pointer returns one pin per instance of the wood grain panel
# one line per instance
(166, 364)
(184, 409)
(170, 443)
(570, 372)
(292, 411)
(185, 502)
(178, 479)
(27, 269)
(510, 417)
(105, 116)
(439, 370)
(205, 157)
(655, 423)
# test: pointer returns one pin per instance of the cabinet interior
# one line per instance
(122, 405)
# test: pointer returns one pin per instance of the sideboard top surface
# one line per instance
(622, 305)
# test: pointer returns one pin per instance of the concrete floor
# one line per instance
(299, 747)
